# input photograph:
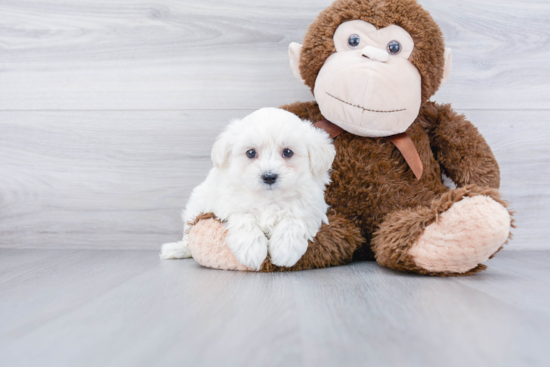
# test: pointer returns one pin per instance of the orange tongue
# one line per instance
(406, 146)
(402, 141)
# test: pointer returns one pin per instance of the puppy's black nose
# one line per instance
(269, 178)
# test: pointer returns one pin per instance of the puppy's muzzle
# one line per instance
(269, 178)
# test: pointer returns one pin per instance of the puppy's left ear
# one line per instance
(320, 150)
(221, 150)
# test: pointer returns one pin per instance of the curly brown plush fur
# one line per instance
(401, 229)
(334, 245)
(371, 179)
(429, 49)
(379, 208)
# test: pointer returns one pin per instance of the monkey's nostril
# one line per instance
(269, 178)
(366, 56)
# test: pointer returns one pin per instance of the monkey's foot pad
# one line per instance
(208, 246)
(464, 236)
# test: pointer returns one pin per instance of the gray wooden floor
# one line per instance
(127, 308)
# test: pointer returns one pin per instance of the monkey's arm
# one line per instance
(304, 110)
(462, 152)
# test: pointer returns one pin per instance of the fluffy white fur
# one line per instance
(262, 218)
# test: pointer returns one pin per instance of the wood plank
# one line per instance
(189, 54)
(490, 41)
(35, 294)
(101, 180)
(518, 278)
(386, 318)
(119, 179)
(176, 311)
(140, 311)
(519, 140)
(16, 264)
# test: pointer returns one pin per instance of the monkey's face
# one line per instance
(369, 87)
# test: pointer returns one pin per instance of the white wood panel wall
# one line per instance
(108, 108)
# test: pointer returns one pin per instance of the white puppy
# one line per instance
(267, 185)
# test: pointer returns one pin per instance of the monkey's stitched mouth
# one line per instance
(363, 108)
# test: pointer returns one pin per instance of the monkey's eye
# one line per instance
(251, 153)
(354, 41)
(287, 153)
(394, 47)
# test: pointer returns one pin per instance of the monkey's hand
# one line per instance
(460, 149)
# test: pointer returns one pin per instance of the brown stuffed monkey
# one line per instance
(372, 66)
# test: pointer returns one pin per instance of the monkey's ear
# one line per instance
(294, 50)
(448, 65)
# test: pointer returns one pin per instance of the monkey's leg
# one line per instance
(207, 244)
(333, 245)
(453, 236)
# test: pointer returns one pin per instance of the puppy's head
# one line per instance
(272, 149)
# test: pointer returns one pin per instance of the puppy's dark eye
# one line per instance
(354, 41)
(287, 153)
(251, 153)
(394, 47)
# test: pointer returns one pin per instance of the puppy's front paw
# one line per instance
(249, 245)
(287, 245)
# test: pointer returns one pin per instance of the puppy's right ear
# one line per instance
(221, 149)
(320, 149)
